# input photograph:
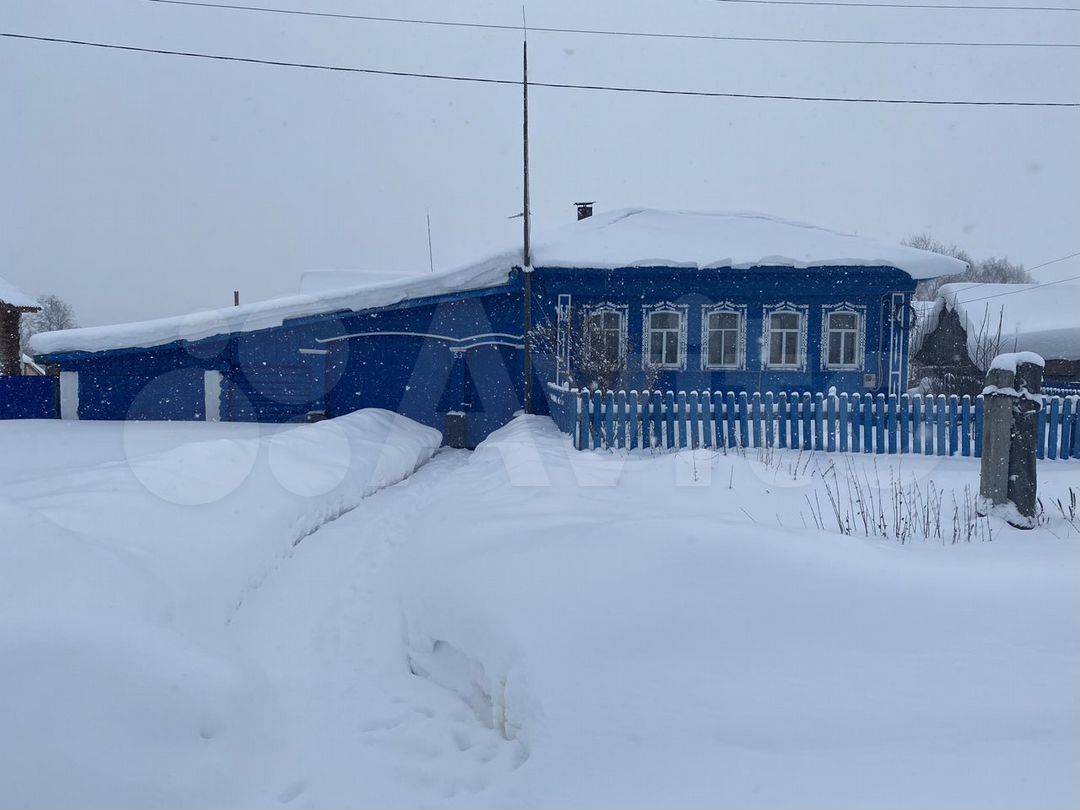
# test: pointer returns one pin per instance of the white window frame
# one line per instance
(622, 310)
(844, 308)
(724, 308)
(784, 308)
(665, 307)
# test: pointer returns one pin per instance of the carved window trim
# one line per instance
(683, 311)
(844, 308)
(603, 307)
(784, 308)
(727, 307)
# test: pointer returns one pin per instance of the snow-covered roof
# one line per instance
(1039, 318)
(633, 237)
(12, 295)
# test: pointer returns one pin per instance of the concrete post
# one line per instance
(997, 432)
(1007, 484)
(1023, 486)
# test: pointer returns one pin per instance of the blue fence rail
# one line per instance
(29, 398)
(856, 423)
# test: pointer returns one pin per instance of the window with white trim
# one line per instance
(605, 335)
(842, 339)
(723, 338)
(785, 339)
(664, 338)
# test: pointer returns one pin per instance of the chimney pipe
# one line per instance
(236, 298)
(584, 209)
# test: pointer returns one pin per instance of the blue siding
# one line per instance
(461, 352)
(28, 398)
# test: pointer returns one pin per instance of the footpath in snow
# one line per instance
(525, 625)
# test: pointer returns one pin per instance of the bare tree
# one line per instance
(55, 314)
(994, 270)
(590, 364)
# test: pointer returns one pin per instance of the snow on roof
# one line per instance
(1039, 318)
(10, 294)
(636, 237)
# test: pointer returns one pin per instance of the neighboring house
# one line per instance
(968, 324)
(13, 305)
(676, 300)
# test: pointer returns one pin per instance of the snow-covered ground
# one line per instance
(220, 614)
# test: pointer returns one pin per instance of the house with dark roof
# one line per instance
(14, 303)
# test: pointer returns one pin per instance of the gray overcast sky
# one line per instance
(138, 185)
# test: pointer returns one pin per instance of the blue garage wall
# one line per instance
(29, 398)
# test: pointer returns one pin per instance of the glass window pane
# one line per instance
(656, 347)
(611, 320)
(785, 320)
(849, 352)
(715, 352)
(729, 353)
(790, 347)
(726, 320)
(834, 348)
(776, 347)
(611, 345)
(842, 320)
(664, 320)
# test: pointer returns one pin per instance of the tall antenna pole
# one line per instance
(526, 247)
(430, 255)
(527, 217)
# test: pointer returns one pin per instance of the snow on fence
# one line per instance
(857, 423)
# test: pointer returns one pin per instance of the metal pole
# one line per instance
(527, 248)
(430, 255)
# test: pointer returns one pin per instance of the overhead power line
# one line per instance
(938, 6)
(552, 85)
(612, 33)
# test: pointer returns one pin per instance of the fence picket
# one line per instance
(1040, 445)
(892, 427)
(842, 425)
(1076, 428)
(794, 420)
(979, 411)
(680, 418)
(965, 420)
(807, 422)
(695, 420)
(1052, 429)
(769, 431)
(905, 415)
(941, 414)
(819, 411)
(658, 419)
(635, 418)
(879, 424)
(744, 413)
(669, 420)
(1066, 427)
(929, 418)
(954, 430)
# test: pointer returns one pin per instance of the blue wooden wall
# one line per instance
(755, 288)
(461, 352)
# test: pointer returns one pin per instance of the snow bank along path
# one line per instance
(664, 631)
(120, 680)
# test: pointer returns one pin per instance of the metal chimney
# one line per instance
(584, 209)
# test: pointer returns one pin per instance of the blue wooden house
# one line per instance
(629, 299)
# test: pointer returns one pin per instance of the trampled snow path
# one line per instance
(326, 629)
(592, 630)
